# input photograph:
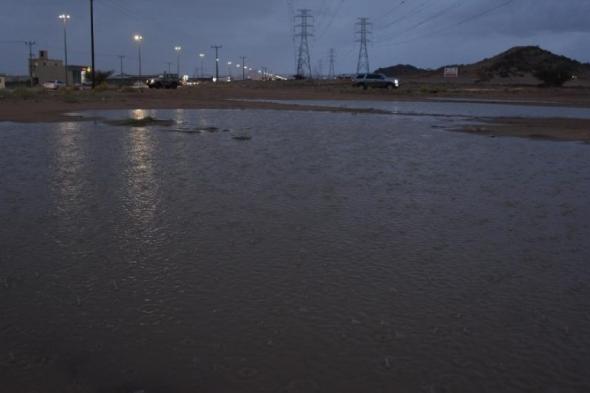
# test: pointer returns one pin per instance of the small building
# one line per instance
(44, 69)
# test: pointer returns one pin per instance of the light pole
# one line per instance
(243, 67)
(92, 43)
(178, 49)
(216, 47)
(138, 38)
(65, 18)
(202, 56)
(229, 73)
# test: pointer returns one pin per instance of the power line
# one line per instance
(391, 11)
(407, 16)
(459, 23)
(331, 21)
(432, 17)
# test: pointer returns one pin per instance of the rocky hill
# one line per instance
(516, 65)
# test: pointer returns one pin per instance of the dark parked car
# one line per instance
(375, 80)
(165, 81)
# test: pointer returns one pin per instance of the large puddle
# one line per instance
(322, 252)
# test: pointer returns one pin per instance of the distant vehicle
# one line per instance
(165, 81)
(54, 85)
(374, 80)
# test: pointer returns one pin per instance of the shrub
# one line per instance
(24, 93)
(101, 76)
(554, 76)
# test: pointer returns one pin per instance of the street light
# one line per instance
(65, 18)
(229, 63)
(178, 49)
(202, 56)
(138, 38)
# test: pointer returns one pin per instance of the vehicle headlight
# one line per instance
(396, 81)
(152, 81)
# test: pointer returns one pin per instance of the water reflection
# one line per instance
(141, 186)
(69, 160)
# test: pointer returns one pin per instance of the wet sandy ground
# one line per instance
(52, 106)
(330, 252)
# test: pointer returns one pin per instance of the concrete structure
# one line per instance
(44, 69)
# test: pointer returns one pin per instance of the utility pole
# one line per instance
(30, 44)
(243, 67)
(216, 47)
(332, 58)
(303, 31)
(121, 57)
(169, 66)
(92, 42)
(363, 32)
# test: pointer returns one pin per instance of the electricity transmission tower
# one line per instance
(332, 58)
(363, 32)
(303, 31)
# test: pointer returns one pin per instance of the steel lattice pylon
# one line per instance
(363, 32)
(303, 31)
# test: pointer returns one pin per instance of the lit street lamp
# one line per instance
(138, 38)
(202, 56)
(229, 63)
(178, 49)
(65, 18)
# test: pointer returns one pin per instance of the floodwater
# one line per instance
(330, 252)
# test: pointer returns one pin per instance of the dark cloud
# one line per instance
(423, 32)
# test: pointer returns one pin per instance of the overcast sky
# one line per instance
(426, 33)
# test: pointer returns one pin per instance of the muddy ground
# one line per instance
(33, 105)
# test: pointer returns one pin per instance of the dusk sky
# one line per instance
(426, 33)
